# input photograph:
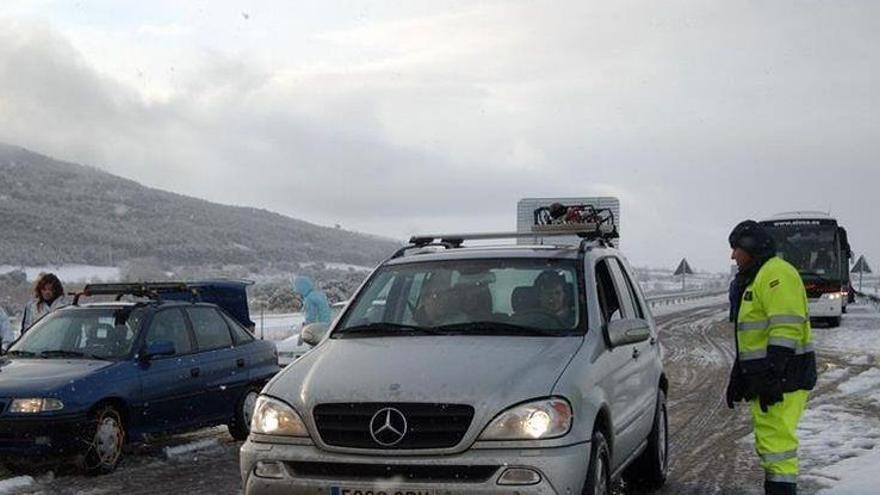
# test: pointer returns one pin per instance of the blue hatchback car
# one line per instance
(88, 378)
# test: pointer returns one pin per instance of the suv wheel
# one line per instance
(105, 438)
(598, 482)
(240, 427)
(649, 469)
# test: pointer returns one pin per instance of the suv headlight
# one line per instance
(35, 405)
(830, 295)
(547, 418)
(273, 417)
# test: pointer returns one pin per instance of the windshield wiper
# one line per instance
(496, 328)
(383, 329)
(60, 353)
(20, 353)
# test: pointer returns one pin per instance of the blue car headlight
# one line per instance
(35, 405)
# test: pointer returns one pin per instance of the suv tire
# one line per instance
(240, 427)
(649, 470)
(598, 477)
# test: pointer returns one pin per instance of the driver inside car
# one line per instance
(553, 297)
(438, 304)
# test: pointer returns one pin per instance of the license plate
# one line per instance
(338, 490)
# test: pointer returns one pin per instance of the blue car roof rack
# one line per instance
(152, 290)
(229, 294)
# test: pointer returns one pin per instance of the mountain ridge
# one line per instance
(54, 212)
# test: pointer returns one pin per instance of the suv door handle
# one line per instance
(636, 353)
(194, 372)
(239, 362)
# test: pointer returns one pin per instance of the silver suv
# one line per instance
(491, 370)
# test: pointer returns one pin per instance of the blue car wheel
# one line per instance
(105, 439)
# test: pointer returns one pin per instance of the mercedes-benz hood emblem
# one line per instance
(388, 426)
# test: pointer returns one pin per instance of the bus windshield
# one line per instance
(813, 248)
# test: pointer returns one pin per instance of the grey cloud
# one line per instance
(698, 115)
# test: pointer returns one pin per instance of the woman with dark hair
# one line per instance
(48, 296)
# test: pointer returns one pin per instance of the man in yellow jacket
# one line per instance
(775, 365)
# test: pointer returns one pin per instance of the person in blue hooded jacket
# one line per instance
(315, 305)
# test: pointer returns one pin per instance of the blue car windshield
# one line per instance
(90, 333)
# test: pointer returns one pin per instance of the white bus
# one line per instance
(818, 247)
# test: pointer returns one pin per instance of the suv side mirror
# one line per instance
(627, 331)
(158, 348)
(313, 333)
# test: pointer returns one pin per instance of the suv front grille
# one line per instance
(428, 426)
(391, 472)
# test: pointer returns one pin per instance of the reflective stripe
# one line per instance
(780, 456)
(798, 350)
(781, 478)
(752, 325)
(804, 349)
(784, 342)
(781, 319)
(752, 355)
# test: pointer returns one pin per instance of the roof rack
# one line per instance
(586, 232)
(152, 290)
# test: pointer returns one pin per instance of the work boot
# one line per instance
(779, 488)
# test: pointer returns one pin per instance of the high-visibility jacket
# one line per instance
(774, 312)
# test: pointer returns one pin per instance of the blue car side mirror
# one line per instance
(159, 348)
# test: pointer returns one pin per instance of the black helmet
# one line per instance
(753, 239)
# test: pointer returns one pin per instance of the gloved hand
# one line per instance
(769, 391)
(734, 386)
(770, 386)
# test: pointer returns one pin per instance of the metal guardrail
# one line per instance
(872, 298)
(680, 297)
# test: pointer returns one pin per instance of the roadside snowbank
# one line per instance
(9, 485)
(856, 476)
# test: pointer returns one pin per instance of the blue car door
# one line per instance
(223, 368)
(169, 384)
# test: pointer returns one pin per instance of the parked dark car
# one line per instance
(88, 378)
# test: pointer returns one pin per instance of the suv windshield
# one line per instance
(478, 297)
(94, 333)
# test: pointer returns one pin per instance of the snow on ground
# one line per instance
(182, 451)
(10, 485)
(340, 266)
(277, 326)
(840, 435)
(859, 335)
(855, 476)
(69, 273)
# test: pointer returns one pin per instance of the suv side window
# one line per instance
(609, 300)
(633, 291)
(626, 301)
(170, 325)
(210, 329)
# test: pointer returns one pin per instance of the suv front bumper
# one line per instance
(561, 470)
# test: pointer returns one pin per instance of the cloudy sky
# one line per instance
(398, 117)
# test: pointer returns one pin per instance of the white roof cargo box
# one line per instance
(528, 211)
